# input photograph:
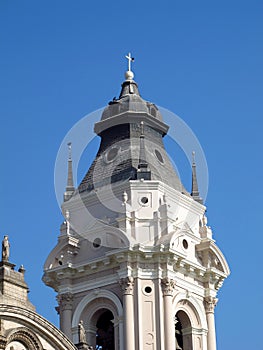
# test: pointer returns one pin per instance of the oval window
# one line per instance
(112, 154)
(159, 156)
(185, 244)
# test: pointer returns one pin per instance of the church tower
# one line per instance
(135, 261)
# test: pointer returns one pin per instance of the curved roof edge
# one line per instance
(42, 326)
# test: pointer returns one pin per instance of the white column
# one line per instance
(210, 304)
(127, 285)
(65, 313)
(169, 327)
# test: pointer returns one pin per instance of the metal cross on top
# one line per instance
(130, 59)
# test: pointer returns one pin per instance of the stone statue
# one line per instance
(82, 333)
(177, 332)
(5, 249)
(67, 217)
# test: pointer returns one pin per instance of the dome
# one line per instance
(120, 156)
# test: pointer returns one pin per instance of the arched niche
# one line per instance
(91, 308)
(190, 323)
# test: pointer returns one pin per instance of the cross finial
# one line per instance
(130, 59)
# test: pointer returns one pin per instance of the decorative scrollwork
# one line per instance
(27, 337)
(210, 304)
(65, 301)
(168, 286)
(127, 285)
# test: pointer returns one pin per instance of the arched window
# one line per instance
(183, 331)
(105, 331)
(178, 334)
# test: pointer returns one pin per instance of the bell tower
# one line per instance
(135, 261)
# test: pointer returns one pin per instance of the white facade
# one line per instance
(144, 275)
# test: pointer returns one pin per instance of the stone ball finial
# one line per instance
(129, 75)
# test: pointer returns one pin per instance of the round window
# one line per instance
(144, 200)
(148, 290)
(159, 156)
(97, 243)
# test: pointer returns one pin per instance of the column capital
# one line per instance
(127, 285)
(210, 304)
(65, 301)
(168, 286)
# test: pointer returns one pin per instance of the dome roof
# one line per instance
(122, 155)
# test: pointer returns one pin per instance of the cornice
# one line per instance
(143, 262)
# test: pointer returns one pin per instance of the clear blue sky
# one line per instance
(200, 59)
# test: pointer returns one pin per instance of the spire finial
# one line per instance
(195, 192)
(193, 157)
(69, 150)
(70, 183)
(129, 74)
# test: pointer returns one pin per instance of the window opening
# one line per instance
(105, 332)
(178, 334)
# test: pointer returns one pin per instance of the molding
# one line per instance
(195, 305)
(101, 293)
(90, 285)
(26, 336)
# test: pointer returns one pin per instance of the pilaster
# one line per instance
(210, 303)
(65, 312)
(168, 286)
(127, 285)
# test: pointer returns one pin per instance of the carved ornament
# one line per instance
(210, 304)
(168, 286)
(65, 301)
(127, 285)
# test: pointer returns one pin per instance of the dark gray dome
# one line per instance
(120, 157)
